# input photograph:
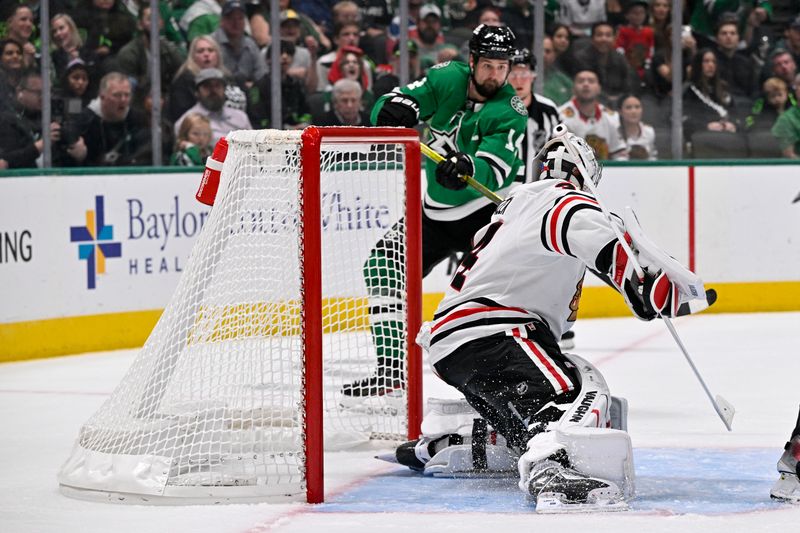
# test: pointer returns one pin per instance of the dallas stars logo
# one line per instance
(443, 141)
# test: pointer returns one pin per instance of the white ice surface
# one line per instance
(753, 360)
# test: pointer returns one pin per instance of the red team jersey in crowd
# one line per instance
(541, 239)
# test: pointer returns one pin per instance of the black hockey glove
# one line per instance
(399, 110)
(450, 171)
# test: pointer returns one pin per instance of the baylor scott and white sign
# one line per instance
(84, 245)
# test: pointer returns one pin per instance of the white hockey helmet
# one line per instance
(558, 162)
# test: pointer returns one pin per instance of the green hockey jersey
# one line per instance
(490, 132)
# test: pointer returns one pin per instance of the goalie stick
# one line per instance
(724, 408)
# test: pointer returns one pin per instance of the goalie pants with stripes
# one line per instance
(510, 379)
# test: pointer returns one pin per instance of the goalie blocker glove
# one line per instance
(654, 295)
(450, 172)
(399, 110)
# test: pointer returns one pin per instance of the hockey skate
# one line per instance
(387, 381)
(559, 489)
(787, 488)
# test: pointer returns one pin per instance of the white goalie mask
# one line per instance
(558, 162)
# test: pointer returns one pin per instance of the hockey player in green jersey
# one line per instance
(477, 122)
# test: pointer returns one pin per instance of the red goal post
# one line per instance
(313, 138)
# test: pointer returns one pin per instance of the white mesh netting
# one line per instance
(213, 404)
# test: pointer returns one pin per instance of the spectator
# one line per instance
(580, 16)
(345, 12)
(557, 85)
(660, 21)
(204, 52)
(636, 40)
(562, 47)
(784, 67)
(70, 101)
(75, 82)
(660, 75)
(304, 64)
(414, 7)
(773, 102)
(19, 28)
(240, 54)
(108, 27)
(706, 16)
(345, 35)
(346, 102)
(107, 125)
(69, 46)
(787, 127)
(735, 67)
(193, 143)
(414, 67)
(349, 65)
(293, 97)
(10, 71)
(707, 105)
(755, 31)
(210, 94)
(616, 77)
(518, 15)
(134, 58)
(202, 18)
(640, 138)
(586, 117)
(142, 117)
(791, 41)
(375, 19)
(428, 35)
(21, 142)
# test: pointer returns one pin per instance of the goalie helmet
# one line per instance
(558, 162)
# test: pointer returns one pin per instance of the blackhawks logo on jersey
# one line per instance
(519, 105)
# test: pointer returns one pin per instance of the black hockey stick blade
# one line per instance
(796, 198)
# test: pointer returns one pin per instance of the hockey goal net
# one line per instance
(228, 397)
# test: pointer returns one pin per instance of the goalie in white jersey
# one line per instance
(494, 338)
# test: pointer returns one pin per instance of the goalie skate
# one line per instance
(558, 489)
(787, 488)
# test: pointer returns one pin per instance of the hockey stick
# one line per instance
(436, 157)
(724, 408)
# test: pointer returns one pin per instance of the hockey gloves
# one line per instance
(450, 171)
(654, 295)
(399, 110)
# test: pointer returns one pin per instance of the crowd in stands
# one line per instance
(607, 65)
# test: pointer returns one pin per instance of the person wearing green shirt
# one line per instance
(787, 128)
(477, 122)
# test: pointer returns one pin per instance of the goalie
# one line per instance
(494, 338)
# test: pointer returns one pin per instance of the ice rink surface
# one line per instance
(692, 475)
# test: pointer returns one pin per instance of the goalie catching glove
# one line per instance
(450, 172)
(399, 110)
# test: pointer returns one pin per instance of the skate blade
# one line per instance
(553, 504)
